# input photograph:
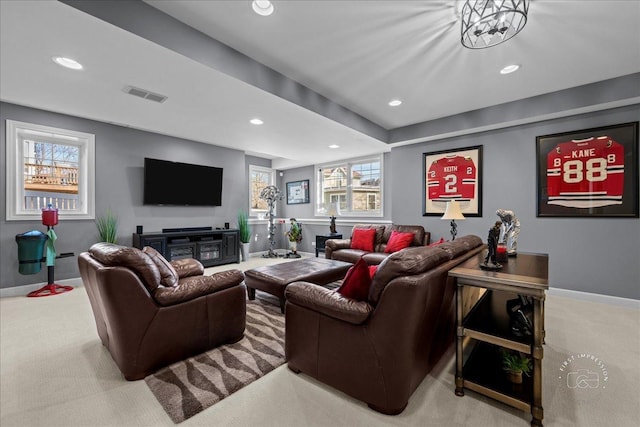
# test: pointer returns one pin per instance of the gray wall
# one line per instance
(597, 255)
(316, 225)
(119, 183)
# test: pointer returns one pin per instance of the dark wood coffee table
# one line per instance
(274, 279)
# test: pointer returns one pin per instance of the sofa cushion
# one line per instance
(461, 245)
(187, 267)
(112, 255)
(398, 241)
(380, 230)
(408, 262)
(363, 239)
(357, 282)
(350, 255)
(168, 274)
(417, 231)
(196, 286)
(374, 258)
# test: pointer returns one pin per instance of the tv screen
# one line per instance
(183, 184)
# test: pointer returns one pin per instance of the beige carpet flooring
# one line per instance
(55, 372)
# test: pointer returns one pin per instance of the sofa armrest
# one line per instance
(193, 287)
(328, 302)
(188, 267)
(332, 245)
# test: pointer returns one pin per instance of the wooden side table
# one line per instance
(321, 240)
(486, 329)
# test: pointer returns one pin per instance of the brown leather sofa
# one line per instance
(379, 350)
(148, 316)
(340, 249)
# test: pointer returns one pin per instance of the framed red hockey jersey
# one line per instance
(593, 172)
(452, 175)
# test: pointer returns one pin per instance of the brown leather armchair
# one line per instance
(379, 350)
(150, 313)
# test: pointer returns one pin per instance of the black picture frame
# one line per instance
(298, 192)
(443, 175)
(588, 173)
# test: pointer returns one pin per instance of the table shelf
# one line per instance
(483, 373)
(488, 321)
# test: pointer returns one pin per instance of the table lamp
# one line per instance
(453, 212)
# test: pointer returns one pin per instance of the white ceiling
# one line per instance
(359, 54)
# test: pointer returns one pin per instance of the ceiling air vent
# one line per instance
(142, 93)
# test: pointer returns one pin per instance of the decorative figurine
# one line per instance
(492, 243)
(510, 232)
(271, 194)
(295, 236)
(332, 225)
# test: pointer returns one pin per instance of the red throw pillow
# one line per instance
(398, 241)
(439, 242)
(357, 282)
(363, 239)
(372, 271)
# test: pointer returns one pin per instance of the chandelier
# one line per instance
(486, 23)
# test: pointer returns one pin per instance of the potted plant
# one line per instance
(515, 364)
(245, 233)
(108, 227)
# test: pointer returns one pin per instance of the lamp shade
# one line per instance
(453, 211)
(333, 209)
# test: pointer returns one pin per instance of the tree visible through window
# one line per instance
(49, 166)
(355, 185)
(259, 178)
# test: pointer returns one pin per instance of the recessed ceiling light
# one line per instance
(510, 69)
(334, 146)
(262, 7)
(395, 102)
(256, 121)
(67, 62)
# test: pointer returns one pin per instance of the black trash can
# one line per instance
(30, 251)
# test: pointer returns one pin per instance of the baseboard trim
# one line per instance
(599, 298)
(23, 290)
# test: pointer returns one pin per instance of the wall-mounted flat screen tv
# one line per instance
(181, 184)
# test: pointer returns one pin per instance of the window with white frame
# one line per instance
(259, 178)
(355, 185)
(49, 166)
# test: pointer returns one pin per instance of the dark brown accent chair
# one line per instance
(150, 312)
(340, 249)
(379, 350)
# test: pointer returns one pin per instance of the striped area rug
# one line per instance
(188, 387)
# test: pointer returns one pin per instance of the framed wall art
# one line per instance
(589, 173)
(452, 175)
(298, 192)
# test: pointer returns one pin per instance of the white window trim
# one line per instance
(319, 210)
(15, 175)
(272, 172)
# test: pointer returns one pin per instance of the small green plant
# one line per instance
(243, 225)
(515, 362)
(108, 227)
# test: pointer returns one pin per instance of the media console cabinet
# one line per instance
(210, 247)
